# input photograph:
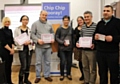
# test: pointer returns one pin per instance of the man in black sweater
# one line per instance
(107, 37)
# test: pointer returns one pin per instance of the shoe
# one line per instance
(61, 78)
(49, 79)
(69, 77)
(81, 78)
(26, 79)
(21, 80)
(27, 82)
(37, 80)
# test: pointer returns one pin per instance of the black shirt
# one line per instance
(2, 42)
(7, 34)
(25, 46)
(77, 34)
(110, 28)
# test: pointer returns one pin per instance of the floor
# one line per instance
(75, 75)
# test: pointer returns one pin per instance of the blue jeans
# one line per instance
(65, 59)
(43, 55)
(25, 60)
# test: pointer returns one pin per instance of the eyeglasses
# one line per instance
(25, 19)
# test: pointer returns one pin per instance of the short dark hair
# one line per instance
(66, 16)
(88, 12)
(23, 16)
(107, 6)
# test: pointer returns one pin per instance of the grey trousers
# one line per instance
(89, 66)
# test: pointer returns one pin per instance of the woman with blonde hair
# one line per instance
(8, 48)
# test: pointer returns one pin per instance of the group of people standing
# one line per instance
(103, 52)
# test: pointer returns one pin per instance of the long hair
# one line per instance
(81, 18)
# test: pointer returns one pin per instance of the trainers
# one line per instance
(37, 80)
(49, 79)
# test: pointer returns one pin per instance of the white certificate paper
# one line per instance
(67, 42)
(47, 38)
(101, 37)
(85, 42)
(21, 39)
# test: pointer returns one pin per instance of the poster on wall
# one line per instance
(56, 11)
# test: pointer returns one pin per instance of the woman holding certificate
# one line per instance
(7, 47)
(25, 49)
(64, 37)
(77, 51)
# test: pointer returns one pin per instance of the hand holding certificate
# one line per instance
(85, 42)
(101, 37)
(21, 39)
(47, 38)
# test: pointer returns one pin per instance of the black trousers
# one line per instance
(65, 60)
(108, 62)
(25, 60)
(8, 59)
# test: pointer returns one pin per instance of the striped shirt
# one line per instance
(88, 31)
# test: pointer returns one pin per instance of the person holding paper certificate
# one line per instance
(8, 48)
(42, 35)
(64, 37)
(107, 36)
(77, 51)
(88, 50)
(25, 50)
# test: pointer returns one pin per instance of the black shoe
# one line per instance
(81, 78)
(61, 78)
(69, 77)
(21, 80)
(27, 82)
(26, 79)
(74, 66)
(86, 83)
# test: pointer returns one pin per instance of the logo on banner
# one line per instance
(56, 10)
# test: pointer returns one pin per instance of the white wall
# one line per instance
(3, 2)
(78, 7)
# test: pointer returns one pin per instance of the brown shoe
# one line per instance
(49, 79)
(37, 80)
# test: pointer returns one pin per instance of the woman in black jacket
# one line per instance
(7, 47)
(78, 52)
